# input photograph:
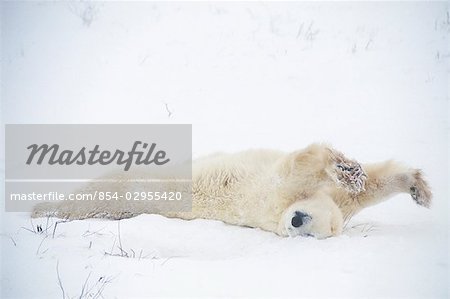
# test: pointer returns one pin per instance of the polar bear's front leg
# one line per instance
(389, 178)
(317, 216)
(320, 164)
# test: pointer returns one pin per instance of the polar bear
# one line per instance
(309, 192)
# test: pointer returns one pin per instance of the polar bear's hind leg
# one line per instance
(389, 178)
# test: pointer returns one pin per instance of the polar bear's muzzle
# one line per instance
(315, 216)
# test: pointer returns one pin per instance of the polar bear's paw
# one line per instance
(347, 173)
(420, 191)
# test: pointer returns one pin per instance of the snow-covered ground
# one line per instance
(370, 78)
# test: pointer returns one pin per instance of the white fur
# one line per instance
(264, 189)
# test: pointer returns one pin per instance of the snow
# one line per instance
(370, 78)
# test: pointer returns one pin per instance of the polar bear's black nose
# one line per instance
(299, 219)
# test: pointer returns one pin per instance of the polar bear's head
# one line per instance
(317, 216)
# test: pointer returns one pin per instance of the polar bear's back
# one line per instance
(232, 187)
(247, 161)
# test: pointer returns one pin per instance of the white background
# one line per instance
(370, 78)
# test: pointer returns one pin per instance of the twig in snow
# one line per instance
(169, 113)
(40, 244)
(14, 242)
(56, 224)
(169, 258)
(25, 228)
(366, 228)
(89, 233)
(122, 252)
(84, 285)
(310, 32)
(86, 11)
(368, 44)
(144, 59)
(300, 29)
(86, 290)
(38, 229)
(131, 253)
(165, 261)
(32, 230)
(59, 280)
(47, 225)
(103, 280)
